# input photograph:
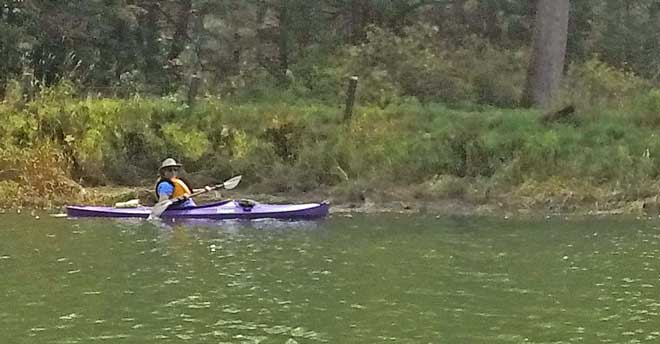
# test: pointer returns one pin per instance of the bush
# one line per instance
(645, 111)
(595, 86)
(423, 64)
(36, 176)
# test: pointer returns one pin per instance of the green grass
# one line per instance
(300, 146)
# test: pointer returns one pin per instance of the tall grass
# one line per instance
(292, 145)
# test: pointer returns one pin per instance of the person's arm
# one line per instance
(207, 188)
(165, 191)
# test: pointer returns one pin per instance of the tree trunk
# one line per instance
(488, 16)
(548, 53)
(149, 34)
(181, 30)
(654, 10)
(7, 13)
(360, 16)
(458, 11)
(261, 14)
(283, 42)
(236, 68)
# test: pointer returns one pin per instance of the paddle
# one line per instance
(160, 207)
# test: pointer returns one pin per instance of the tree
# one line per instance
(548, 53)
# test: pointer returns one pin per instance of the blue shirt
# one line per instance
(167, 189)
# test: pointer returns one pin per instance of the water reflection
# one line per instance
(225, 226)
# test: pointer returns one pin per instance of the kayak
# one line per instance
(222, 210)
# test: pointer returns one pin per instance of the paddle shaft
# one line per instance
(160, 207)
(203, 191)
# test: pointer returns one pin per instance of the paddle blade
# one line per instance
(231, 183)
(159, 208)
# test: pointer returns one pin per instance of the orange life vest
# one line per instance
(180, 187)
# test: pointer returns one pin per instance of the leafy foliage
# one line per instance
(466, 50)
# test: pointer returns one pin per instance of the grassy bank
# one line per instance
(54, 148)
(60, 147)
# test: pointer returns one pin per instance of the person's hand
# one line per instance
(208, 188)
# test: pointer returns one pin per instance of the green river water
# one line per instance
(361, 279)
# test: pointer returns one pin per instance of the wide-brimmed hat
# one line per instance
(169, 162)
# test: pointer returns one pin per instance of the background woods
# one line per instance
(124, 47)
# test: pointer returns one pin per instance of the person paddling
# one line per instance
(170, 186)
(172, 190)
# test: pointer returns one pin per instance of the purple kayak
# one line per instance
(222, 210)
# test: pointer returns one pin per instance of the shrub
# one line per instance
(645, 111)
(595, 85)
(424, 64)
(37, 176)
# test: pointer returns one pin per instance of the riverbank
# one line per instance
(601, 155)
(531, 199)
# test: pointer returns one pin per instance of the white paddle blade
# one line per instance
(231, 183)
(159, 208)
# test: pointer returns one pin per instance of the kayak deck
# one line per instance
(222, 210)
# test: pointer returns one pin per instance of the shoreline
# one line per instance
(393, 201)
